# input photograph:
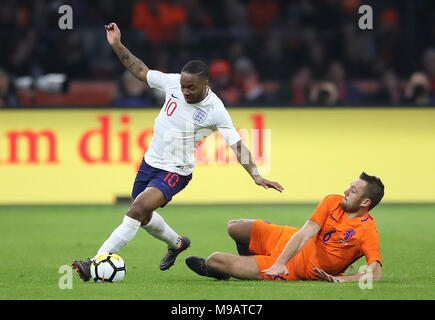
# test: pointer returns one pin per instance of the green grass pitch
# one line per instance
(37, 240)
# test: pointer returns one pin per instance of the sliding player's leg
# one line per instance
(223, 266)
(254, 237)
(240, 267)
(263, 240)
(240, 231)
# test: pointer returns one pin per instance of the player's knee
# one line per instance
(214, 260)
(140, 212)
(233, 226)
(240, 230)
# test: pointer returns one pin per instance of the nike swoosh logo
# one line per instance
(332, 217)
(172, 95)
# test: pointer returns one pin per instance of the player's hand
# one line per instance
(113, 33)
(325, 276)
(276, 270)
(268, 184)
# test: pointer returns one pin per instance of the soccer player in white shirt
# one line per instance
(190, 113)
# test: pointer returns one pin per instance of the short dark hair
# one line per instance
(374, 190)
(196, 67)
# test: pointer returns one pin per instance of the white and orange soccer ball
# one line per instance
(108, 267)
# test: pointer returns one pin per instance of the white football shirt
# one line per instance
(180, 126)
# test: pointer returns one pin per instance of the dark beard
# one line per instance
(350, 208)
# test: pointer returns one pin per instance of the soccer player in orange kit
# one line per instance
(339, 232)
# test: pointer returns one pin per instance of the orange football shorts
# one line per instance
(267, 242)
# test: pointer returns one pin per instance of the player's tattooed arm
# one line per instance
(132, 63)
(244, 157)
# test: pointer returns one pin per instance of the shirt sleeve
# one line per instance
(225, 127)
(162, 81)
(323, 209)
(370, 247)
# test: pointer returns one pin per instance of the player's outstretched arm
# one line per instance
(374, 270)
(133, 64)
(293, 246)
(245, 159)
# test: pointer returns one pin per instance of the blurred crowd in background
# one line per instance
(260, 52)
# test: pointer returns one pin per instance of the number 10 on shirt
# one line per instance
(170, 107)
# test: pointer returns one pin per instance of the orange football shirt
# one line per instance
(339, 243)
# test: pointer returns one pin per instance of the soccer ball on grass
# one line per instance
(108, 267)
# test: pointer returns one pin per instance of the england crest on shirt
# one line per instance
(199, 116)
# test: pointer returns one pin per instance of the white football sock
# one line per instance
(122, 235)
(158, 228)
